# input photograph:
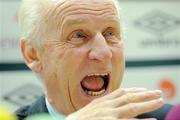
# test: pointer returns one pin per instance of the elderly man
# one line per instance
(76, 49)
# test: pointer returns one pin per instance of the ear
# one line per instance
(31, 55)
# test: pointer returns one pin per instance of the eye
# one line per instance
(110, 33)
(111, 36)
(77, 37)
(78, 34)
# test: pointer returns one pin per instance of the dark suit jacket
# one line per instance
(40, 107)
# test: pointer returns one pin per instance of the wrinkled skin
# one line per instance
(83, 37)
(89, 42)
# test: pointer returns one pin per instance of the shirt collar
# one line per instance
(53, 112)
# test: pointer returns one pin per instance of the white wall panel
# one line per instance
(151, 29)
(153, 78)
(9, 37)
(18, 88)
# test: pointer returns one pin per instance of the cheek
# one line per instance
(71, 51)
(71, 61)
(74, 58)
(80, 51)
(118, 62)
(118, 54)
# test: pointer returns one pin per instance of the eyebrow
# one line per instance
(115, 20)
(73, 22)
(82, 21)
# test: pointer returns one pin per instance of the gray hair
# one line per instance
(31, 20)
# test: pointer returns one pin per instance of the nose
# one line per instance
(100, 50)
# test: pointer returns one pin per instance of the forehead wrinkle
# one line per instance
(49, 15)
(73, 7)
(65, 4)
(65, 8)
(86, 11)
(99, 14)
(80, 20)
(52, 12)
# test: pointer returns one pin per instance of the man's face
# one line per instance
(83, 55)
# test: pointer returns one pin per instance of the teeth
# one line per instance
(97, 74)
(93, 93)
(96, 93)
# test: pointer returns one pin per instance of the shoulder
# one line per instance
(159, 114)
(37, 107)
(22, 112)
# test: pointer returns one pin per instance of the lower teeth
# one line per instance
(93, 93)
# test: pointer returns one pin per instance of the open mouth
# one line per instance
(95, 84)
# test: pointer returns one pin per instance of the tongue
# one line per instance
(93, 83)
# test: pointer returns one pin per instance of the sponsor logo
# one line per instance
(159, 25)
(23, 95)
(168, 88)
